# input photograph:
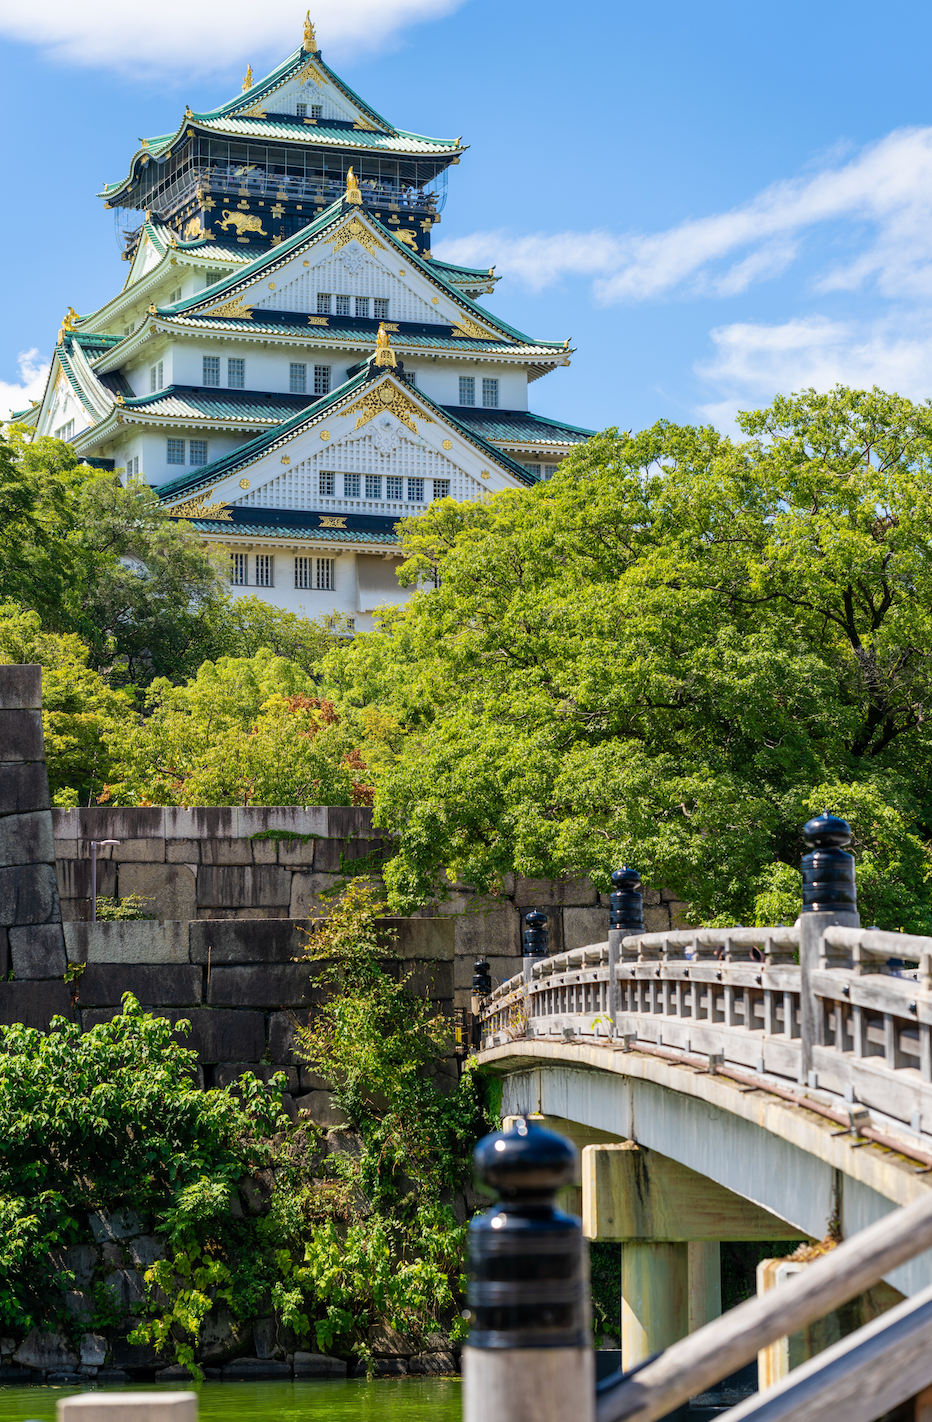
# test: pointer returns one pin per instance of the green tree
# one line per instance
(671, 653)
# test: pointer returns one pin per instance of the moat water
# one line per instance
(356, 1400)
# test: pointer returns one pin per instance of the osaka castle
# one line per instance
(287, 365)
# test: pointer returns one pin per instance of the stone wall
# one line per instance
(215, 864)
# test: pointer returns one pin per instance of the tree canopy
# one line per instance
(672, 653)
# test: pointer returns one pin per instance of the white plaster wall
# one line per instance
(308, 602)
(152, 446)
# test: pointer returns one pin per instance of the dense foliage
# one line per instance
(672, 653)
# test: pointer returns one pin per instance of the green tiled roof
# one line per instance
(239, 406)
(519, 426)
(247, 453)
(258, 529)
(401, 340)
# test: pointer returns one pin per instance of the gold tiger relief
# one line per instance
(243, 223)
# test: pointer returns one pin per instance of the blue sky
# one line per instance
(715, 200)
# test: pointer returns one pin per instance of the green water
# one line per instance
(381, 1400)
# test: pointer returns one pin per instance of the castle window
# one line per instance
(381, 308)
(343, 306)
(175, 453)
(211, 277)
(301, 111)
(362, 306)
(211, 370)
(155, 378)
(323, 303)
(263, 570)
(441, 488)
(325, 579)
(415, 491)
(238, 569)
(533, 469)
(297, 379)
(65, 431)
(467, 390)
(550, 470)
(302, 572)
(132, 467)
(373, 486)
(197, 451)
(316, 111)
(321, 380)
(393, 487)
(490, 394)
(351, 486)
(327, 482)
(236, 374)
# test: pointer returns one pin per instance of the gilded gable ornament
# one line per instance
(237, 308)
(247, 78)
(310, 38)
(357, 231)
(473, 330)
(353, 258)
(257, 111)
(199, 508)
(387, 396)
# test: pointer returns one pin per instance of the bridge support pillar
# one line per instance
(705, 1283)
(654, 1299)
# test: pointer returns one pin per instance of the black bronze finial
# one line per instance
(535, 935)
(626, 910)
(828, 872)
(481, 978)
(527, 1277)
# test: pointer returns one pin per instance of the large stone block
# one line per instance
(247, 940)
(305, 901)
(74, 878)
(348, 822)
(424, 938)
(21, 687)
(283, 1028)
(138, 851)
(217, 1035)
(34, 1004)
(229, 1073)
(79, 1259)
(201, 822)
(244, 886)
(320, 1107)
(298, 819)
(481, 935)
(27, 838)
(292, 853)
(38, 951)
(46, 1351)
(172, 888)
(161, 985)
(227, 851)
(120, 822)
(182, 851)
(657, 920)
(24, 785)
(29, 894)
(582, 926)
(263, 985)
(545, 893)
(318, 1365)
(434, 980)
(128, 941)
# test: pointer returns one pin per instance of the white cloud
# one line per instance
(33, 372)
(103, 33)
(752, 361)
(888, 184)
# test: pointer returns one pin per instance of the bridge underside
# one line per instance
(787, 1160)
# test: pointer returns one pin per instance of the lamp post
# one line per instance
(94, 845)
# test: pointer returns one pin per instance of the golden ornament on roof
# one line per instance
(352, 193)
(187, 111)
(247, 78)
(310, 39)
(384, 355)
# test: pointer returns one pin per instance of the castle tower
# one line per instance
(287, 364)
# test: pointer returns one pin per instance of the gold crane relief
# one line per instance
(243, 222)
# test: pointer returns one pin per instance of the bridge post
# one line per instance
(654, 1299)
(529, 1356)
(829, 898)
(626, 917)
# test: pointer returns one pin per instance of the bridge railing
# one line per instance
(826, 1003)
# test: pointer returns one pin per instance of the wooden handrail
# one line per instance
(696, 1363)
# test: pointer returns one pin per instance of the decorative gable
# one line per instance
(311, 87)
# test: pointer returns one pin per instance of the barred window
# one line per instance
(325, 579)
(321, 380)
(373, 486)
(303, 572)
(467, 390)
(236, 374)
(316, 110)
(175, 453)
(550, 470)
(238, 569)
(132, 467)
(65, 432)
(490, 394)
(211, 277)
(263, 570)
(343, 304)
(197, 451)
(155, 378)
(441, 488)
(533, 469)
(362, 306)
(351, 486)
(415, 491)
(323, 303)
(327, 481)
(211, 370)
(297, 378)
(381, 308)
(351, 624)
(393, 486)
(301, 111)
